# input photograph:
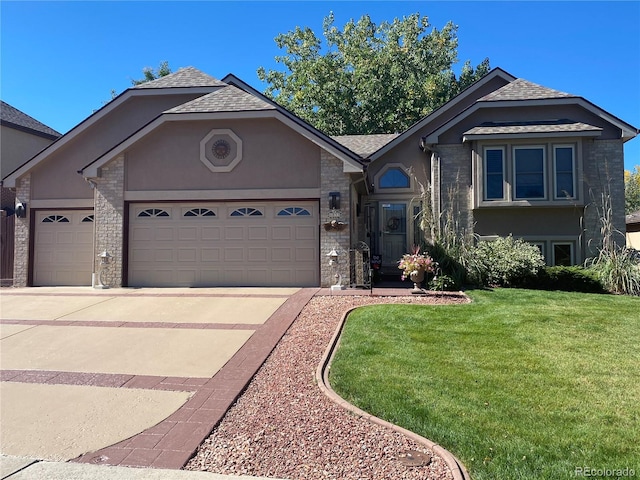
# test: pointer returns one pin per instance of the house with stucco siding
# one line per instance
(188, 180)
(21, 137)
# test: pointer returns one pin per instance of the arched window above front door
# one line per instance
(393, 178)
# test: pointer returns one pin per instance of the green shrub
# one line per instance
(504, 262)
(618, 270)
(568, 279)
(443, 283)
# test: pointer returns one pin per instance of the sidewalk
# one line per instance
(18, 468)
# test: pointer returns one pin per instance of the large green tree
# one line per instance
(368, 78)
(151, 74)
(632, 190)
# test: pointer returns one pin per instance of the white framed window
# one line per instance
(562, 254)
(529, 172)
(494, 172)
(564, 168)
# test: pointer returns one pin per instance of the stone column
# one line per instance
(337, 238)
(109, 220)
(22, 234)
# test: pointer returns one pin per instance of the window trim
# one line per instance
(485, 172)
(514, 175)
(393, 166)
(572, 257)
(555, 171)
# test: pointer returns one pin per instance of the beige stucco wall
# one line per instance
(633, 240)
(56, 177)
(17, 147)
(273, 157)
(528, 221)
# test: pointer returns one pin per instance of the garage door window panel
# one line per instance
(153, 212)
(247, 212)
(294, 212)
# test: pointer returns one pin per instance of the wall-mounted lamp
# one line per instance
(105, 259)
(333, 257)
(334, 200)
(21, 209)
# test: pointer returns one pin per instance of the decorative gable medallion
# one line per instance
(221, 150)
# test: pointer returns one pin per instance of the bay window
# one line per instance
(544, 173)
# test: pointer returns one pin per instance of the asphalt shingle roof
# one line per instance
(184, 77)
(365, 145)
(490, 128)
(521, 89)
(227, 99)
(20, 119)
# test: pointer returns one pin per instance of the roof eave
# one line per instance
(505, 136)
(627, 131)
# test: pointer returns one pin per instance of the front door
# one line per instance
(393, 228)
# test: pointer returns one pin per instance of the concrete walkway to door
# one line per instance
(130, 377)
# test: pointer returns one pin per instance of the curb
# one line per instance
(322, 378)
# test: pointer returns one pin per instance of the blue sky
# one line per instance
(60, 60)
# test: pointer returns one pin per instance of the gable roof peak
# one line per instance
(183, 77)
(521, 89)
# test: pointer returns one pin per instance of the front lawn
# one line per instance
(519, 384)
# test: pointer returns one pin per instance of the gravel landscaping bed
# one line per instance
(283, 426)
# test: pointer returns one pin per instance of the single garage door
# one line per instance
(63, 248)
(224, 244)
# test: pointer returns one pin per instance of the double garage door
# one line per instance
(230, 244)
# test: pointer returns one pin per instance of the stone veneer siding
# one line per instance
(22, 235)
(109, 219)
(453, 176)
(603, 164)
(333, 179)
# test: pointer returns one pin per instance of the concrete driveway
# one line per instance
(134, 377)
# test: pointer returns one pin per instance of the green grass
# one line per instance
(519, 384)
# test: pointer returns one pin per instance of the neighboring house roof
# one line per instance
(365, 145)
(14, 118)
(633, 218)
(521, 89)
(184, 77)
(228, 99)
